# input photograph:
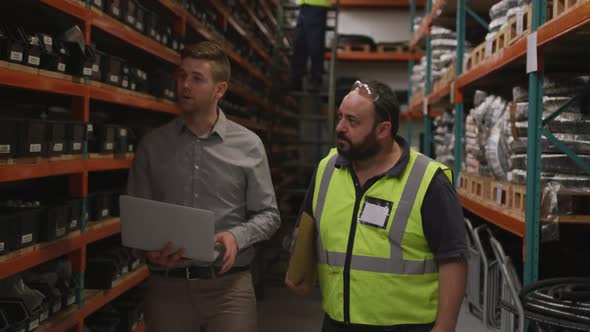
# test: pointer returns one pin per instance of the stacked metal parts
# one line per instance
(444, 139)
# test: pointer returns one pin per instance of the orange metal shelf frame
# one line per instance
(367, 56)
(494, 215)
(44, 169)
(546, 33)
(230, 18)
(121, 31)
(127, 282)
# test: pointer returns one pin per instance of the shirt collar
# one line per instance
(220, 127)
(397, 169)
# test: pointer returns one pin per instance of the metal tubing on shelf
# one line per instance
(560, 110)
(582, 164)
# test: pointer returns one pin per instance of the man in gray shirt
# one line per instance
(203, 160)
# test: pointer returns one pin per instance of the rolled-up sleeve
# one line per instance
(262, 213)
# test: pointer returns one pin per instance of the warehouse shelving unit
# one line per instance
(548, 39)
(83, 93)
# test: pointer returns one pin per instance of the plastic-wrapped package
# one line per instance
(479, 97)
(497, 152)
(564, 86)
(520, 94)
(558, 202)
(572, 181)
(553, 163)
(514, 11)
(565, 123)
(444, 45)
(497, 23)
(442, 33)
(491, 35)
(448, 58)
(579, 144)
(499, 9)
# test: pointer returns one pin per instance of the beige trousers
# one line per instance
(224, 304)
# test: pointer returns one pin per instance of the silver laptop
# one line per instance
(149, 225)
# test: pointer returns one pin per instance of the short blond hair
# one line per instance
(215, 53)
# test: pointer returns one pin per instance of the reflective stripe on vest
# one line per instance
(395, 264)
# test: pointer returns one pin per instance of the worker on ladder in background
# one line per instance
(310, 34)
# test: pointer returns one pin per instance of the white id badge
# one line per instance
(375, 212)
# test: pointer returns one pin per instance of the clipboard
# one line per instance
(303, 261)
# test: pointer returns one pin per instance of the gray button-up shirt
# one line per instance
(226, 172)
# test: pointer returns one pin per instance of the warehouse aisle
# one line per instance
(282, 311)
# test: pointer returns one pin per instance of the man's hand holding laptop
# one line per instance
(168, 258)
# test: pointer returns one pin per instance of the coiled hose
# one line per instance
(563, 302)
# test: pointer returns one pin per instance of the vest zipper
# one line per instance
(346, 283)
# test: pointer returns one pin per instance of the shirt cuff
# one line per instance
(241, 237)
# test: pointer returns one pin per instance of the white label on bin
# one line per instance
(87, 71)
(158, 37)
(133, 86)
(56, 307)
(61, 67)
(109, 146)
(130, 148)
(60, 232)
(71, 300)
(499, 194)
(135, 264)
(34, 60)
(58, 147)
(123, 132)
(519, 24)
(104, 212)
(153, 33)
(130, 19)
(43, 316)
(2, 246)
(114, 78)
(125, 83)
(35, 148)
(90, 128)
(139, 25)
(4, 148)
(74, 223)
(27, 238)
(125, 270)
(33, 324)
(77, 146)
(47, 40)
(175, 45)
(95, 68)
(98, 3)
(116, 11)
(16, 56)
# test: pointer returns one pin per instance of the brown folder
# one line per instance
(303, 262)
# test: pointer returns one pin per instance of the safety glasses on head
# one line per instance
(364, 90)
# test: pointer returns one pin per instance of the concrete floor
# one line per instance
(282, 311)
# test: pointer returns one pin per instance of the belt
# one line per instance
(198, 272)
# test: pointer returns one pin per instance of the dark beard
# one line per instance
(362, 151)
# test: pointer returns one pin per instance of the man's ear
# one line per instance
(221, 89)
(384, 129)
